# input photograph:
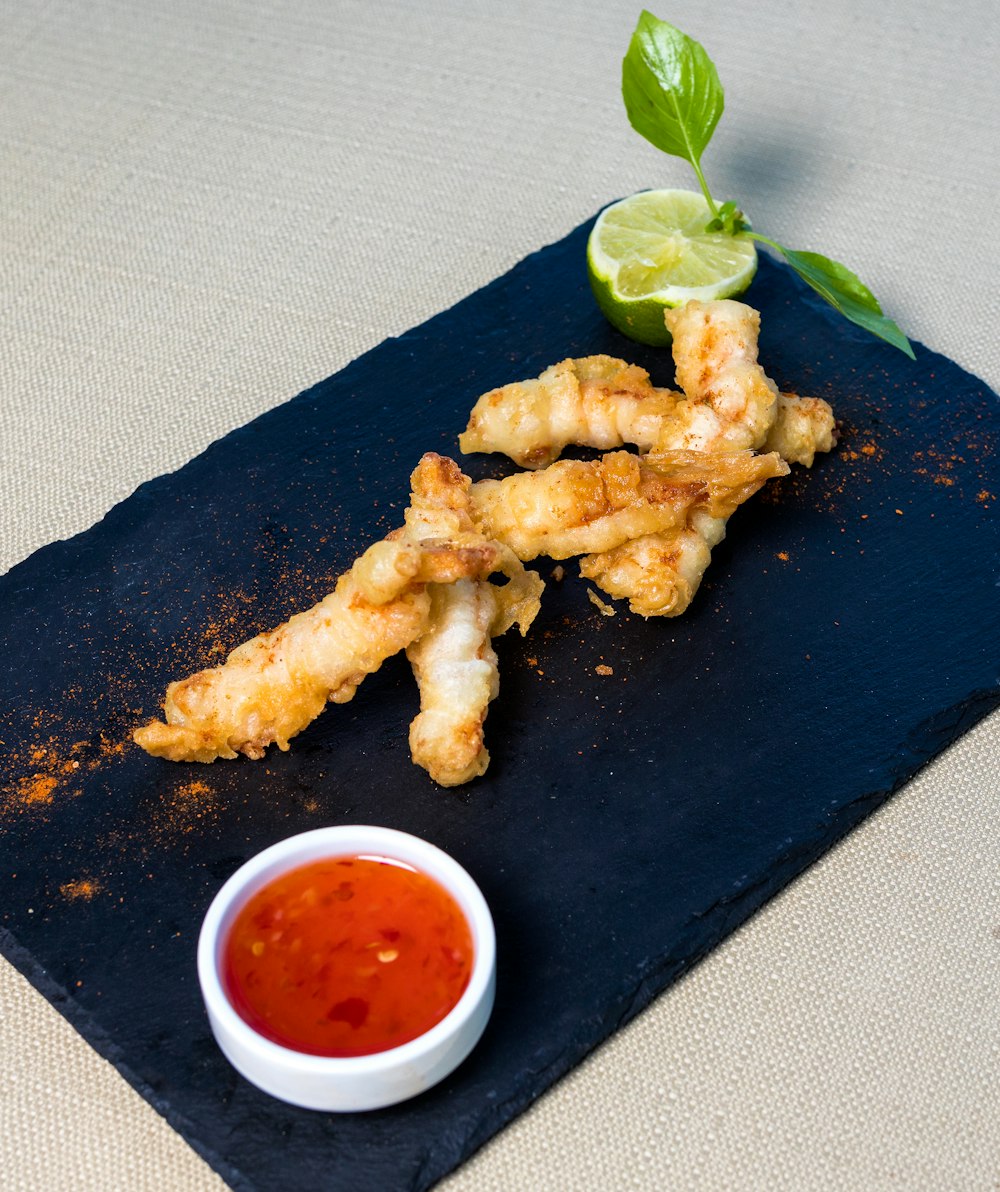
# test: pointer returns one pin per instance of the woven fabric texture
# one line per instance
(209, 205)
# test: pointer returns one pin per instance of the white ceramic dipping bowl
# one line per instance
(355, 1082)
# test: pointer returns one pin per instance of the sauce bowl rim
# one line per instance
(328, 843)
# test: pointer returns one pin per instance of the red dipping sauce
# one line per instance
(347, 956)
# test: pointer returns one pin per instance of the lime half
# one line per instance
(651, 251)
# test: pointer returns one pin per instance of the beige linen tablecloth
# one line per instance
(208, 205)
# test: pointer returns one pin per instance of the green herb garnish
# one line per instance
(674, 99)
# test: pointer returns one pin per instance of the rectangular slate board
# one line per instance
(847, 632)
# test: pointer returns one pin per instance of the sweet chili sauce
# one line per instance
(347, 956)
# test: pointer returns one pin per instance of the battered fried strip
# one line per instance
(456, 670)
(802, 426)
(601, 402)
(594, 401)
(274, 685)
(442, 502)
(453, 660)
(729, 401)
(658, 574)
(576, 507)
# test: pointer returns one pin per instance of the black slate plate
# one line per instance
(847, 632)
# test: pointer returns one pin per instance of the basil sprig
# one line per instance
(674, 99)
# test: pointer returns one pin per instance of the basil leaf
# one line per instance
(730, 219)
(674, 99)
(846, 292)
(671, 89)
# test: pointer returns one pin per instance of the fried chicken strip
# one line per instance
(274, 685)
(802, 427)
(453, 660)
(602, 402)
(457, 672)
(729, 402)
(580, 507)
(593, 401)
(658, 574)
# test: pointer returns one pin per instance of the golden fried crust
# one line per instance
(728, 402)
(272, 686)
(457, 673)
(452, 547)
(804, 425)
(658, 574)
(732, 403)
(456, 670)
(728, 478)
(179, 744)
(583, 507)
(453, 660)
(595, 401)
(439, 498)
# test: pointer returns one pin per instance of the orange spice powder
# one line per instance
(36, 788)
(84, 888)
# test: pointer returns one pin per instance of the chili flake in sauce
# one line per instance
(347, 956)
